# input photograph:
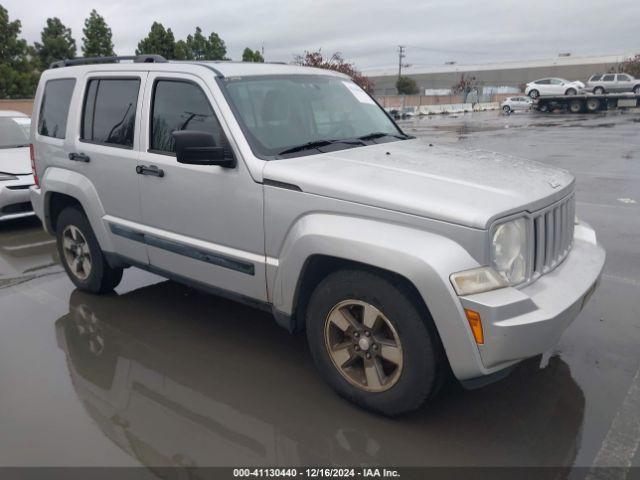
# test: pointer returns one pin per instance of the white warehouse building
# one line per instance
(505, 76)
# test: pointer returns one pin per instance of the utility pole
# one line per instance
(401, 55)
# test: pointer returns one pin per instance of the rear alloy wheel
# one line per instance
(534, 94)
(506, 109)
(81, 254)
(598, 91)
(77, 254)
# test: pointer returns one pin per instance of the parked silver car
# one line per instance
(15, 166)
(290, 189)
(511, 104)
(613, 83)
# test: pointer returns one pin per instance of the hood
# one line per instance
(466, 187)
(15, 161)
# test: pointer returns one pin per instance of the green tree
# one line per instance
(406, 86)
(217, 49)
(18, 73)
(249, 55)
(182, 51)
(97, 40)
(199, 47)
(159, 42)
(57, 43)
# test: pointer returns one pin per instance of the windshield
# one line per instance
(294, 115)
(14, 132)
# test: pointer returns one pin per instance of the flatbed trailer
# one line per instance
(586, 102)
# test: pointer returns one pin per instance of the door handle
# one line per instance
(79, 157)
(149, 170)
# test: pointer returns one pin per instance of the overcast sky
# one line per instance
(366, 32)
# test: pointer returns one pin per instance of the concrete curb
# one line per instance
(451, 108)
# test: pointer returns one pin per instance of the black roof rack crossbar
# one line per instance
(88, 60)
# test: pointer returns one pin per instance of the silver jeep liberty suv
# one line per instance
(291, 189)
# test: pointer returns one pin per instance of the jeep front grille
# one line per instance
(553, 235)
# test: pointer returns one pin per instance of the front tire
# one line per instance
(506, 109)
(81, 255)
(636, 89)
(571, 91)
(598, 91)
(534, 94)
(372, 342)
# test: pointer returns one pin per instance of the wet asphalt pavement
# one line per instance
(159, 374)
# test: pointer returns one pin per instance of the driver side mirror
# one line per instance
(199, 148)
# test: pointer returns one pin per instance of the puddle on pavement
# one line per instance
(26, 252)
(172, 378)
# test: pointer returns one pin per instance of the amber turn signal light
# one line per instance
(476, 325)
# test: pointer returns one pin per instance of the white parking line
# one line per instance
(622, 440)
(617, 278)
(29, 245)
(607, 205)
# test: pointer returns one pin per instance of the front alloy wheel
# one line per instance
(363, 345)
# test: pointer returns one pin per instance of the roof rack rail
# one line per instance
(115, 59)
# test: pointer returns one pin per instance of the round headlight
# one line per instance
(509, 250)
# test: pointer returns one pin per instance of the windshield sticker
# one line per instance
(360, 94)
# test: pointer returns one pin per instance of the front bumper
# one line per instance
(521, 323)
(14, 198)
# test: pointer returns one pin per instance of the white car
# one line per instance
(15, 165)
(516, 103)
(553, 86)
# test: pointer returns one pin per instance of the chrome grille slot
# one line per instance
(553, 235)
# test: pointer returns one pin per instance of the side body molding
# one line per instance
(424, 258)
(76, 185)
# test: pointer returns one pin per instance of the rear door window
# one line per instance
(54, 109)
(109, 114)
(608, 78)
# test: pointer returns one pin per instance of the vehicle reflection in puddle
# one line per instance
(27, 252)
(176, 377)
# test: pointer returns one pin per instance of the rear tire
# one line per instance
(81, 255)
(390, 364)
(575, 106)
(506, 109)
(534, 94)
(593, 105)
(598, 91)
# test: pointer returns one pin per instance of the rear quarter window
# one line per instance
(54, 109)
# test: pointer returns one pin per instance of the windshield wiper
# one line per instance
(374, 135)
(318, 144)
